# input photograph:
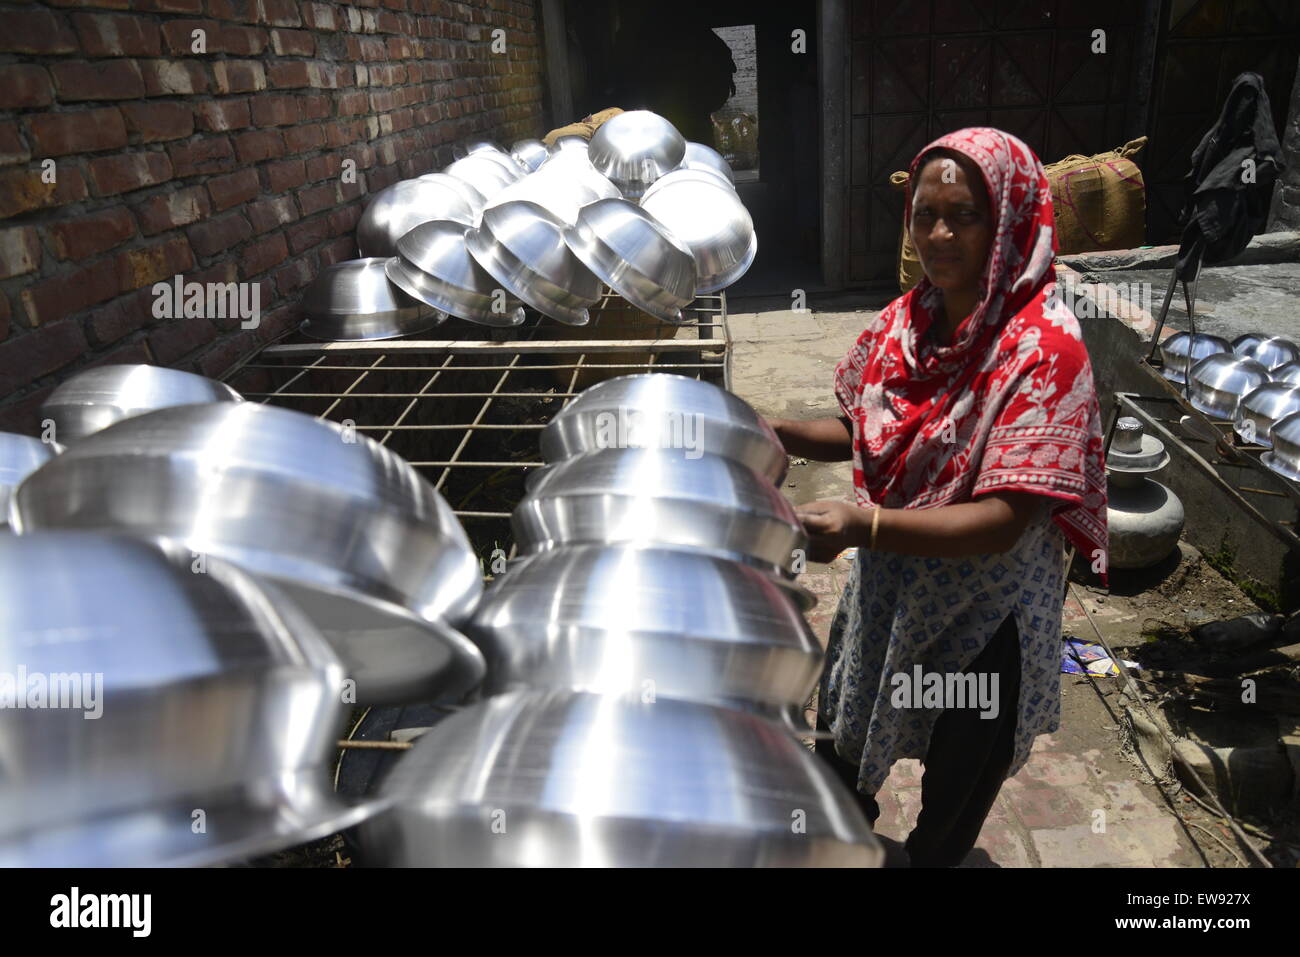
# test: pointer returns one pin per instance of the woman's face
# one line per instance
(952, 229)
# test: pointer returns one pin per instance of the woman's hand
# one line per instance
(833, 527)
(821, 440)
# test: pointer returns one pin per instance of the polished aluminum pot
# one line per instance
(1179, 352)
(141, 699)
(530, 154)
(561, 188)
(1258, 411)
(1285, 455)
(20, 456)
(571, 142)
(664, 410)
(635, 256)
(486, 172)
(1269, 351)
(1288, 373)
(345, 526)
(675, 497)
(712, 222)
(461, 150)
(433, 265)
(1218, 383)
(699, 156)
(399, 208)
(635, 148)
(95, 398)
(683, 174)
(522, 246)
(564, 779)
(677, 624)
(354, 300)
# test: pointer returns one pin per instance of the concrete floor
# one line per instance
(1079, 801)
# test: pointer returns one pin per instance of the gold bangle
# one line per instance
(875, 524)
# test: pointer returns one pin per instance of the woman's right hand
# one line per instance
(828, 439)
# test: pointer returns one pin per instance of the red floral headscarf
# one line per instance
(1010, 405)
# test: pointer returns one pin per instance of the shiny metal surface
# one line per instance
(1219, 381)
(583, 780)
(94, 399)
(694, 174)
(433, 265)
(699, 156)
(635, 256)
(396, 210)
(522, 246)
(662, 410)
(20, 456)
(1259, 410)
(635, 148)
(347, 528)
(1179, 352)
(712, 222)
(354, 300)
(530, 154)
(665, 497)
(620, 620)
(484, 173)
(1285, 456)
(571, 142)
(1269, 351)
(562, 188)
(178, 691)
(461, 150)
(1289, 373)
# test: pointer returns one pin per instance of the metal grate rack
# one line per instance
(468, 412)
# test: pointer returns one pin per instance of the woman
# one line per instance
(970, 415)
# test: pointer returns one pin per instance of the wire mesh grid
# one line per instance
(468, 412)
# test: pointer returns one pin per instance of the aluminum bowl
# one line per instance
(433, 265)
(664, 410)
(522, 246)
(467, 193)
(354, 300)
(180, 691)
(586, 780)
(620, 620)
(345, 526)
(635, 148)
(635, 256)
(1289, 373)
(660, 497)
(530, 154)
(20, 456)
(403, 206)
(1219, 382)
(694, 174)
(461, 150)
(571, 142)
(1269, 351)
(1284, 459)
(712, 222)
(1178, 353)
(483, 172)
(561, 188)
(1259, 410)
(96, 398)
(699, 156)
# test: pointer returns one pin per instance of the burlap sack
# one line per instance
(1100, 203)
(585, 127)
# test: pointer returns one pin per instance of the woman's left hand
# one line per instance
(832, 527)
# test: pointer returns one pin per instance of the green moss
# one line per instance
(1223, 561)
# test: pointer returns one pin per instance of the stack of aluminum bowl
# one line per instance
(647, 655)
(1219, 382)
(354, 300)
(1180, 351)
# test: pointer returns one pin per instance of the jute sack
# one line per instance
(1099, 202)
(585, 127)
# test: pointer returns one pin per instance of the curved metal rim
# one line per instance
(483, 250)
(734, 273)
(1213, 413)
(436, 317)
(624, 289)
(412, 280)
(1272, 460)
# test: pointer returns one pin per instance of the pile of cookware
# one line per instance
(1252, 382)
(194, 591)
(638, 209)
(647, 655)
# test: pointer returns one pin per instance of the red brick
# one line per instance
(285, 175)
(293, 276)
(344, 134)
(319, 16)
(277, 322)
(5, 314)
(24, 85)
(220, 115)
(70, 292)
(278, 13)
(311, 233)
(271, 109)
(293, 43)
(323, 167)
(138, 268)
(269, 214)
(22, 190)
(337, 251)
(244, 11)
(217, 38)
(112, 34)
(20, 251)
(227, 191)
(105, 80)
(12, 148)
(286, 74)
(223, 356)
(219, 235)
(260, 256)
(89, 235)
(57, 134)
(36, 31)
(172, 339)
(160, 213)
(121, 174)
(352, 102)
(170, 6)
(26, 358)
(130, 354)
(344, 220)
(300, 139)
(155, 122)
(210, 155)
(111, 4)
(258, 145)
(316, 107)
(238, 76)
(114, 320)
(315, 198)
(174, 77)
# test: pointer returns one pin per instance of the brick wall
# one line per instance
(221, 166)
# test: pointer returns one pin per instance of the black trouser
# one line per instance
(965, 764)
